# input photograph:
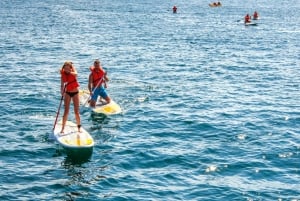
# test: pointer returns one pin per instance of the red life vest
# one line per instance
(69, 80)
(255, 15)
(247, 19)
(97, 75)
(174, 9)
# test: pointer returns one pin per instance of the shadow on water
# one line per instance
(74, 156)
(98, 120)
(78, 156)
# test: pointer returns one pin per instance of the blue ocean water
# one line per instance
(210, 107)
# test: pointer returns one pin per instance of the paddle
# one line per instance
(94, 90)
(57, 113)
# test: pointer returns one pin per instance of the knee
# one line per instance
(76, 111)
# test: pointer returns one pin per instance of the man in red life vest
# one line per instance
(96, 79)
(247, 19)
(255, 15)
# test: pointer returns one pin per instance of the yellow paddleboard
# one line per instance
(103, 108)
(108, 109)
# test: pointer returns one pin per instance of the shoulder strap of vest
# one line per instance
(70, 82)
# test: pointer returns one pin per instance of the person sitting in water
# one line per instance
(219, 3)
(247, 19)
(174, 9)
(255, 15)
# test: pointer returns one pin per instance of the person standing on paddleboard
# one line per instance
(70, 91)
(97, 77)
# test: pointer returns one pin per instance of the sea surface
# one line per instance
(211, 108)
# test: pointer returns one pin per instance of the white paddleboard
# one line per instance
(71, 138)
(250, 24)
(101, 107)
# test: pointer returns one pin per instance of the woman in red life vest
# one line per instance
(70, 90)
(247, 19)
(96, 79)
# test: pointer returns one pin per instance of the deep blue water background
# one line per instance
(211, 107)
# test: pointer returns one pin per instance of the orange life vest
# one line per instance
(70, 80)
(255, 15)
(247, 18)
(97, 75)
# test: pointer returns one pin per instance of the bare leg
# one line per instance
(76, 110)
(67, 101)
(92, 103)
(107, 99)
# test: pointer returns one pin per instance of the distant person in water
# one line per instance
(247, 19)
(174, 9)
(255, 15)
(219, 3)
(69, 90)
(97, 78)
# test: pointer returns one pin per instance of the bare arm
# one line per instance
(74, 71)
(106, 78)
(62, 86)
(90, 83)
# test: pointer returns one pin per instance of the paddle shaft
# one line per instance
(94, 90)
(57, 113)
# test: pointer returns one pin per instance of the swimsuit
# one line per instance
(100, 91)
(71, 94)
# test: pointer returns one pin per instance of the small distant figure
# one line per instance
(255, 15)
(215, 4)
(174, 9)
(247, 18)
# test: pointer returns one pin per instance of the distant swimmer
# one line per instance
(247, 19)
(255, 15)
(174, 9)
